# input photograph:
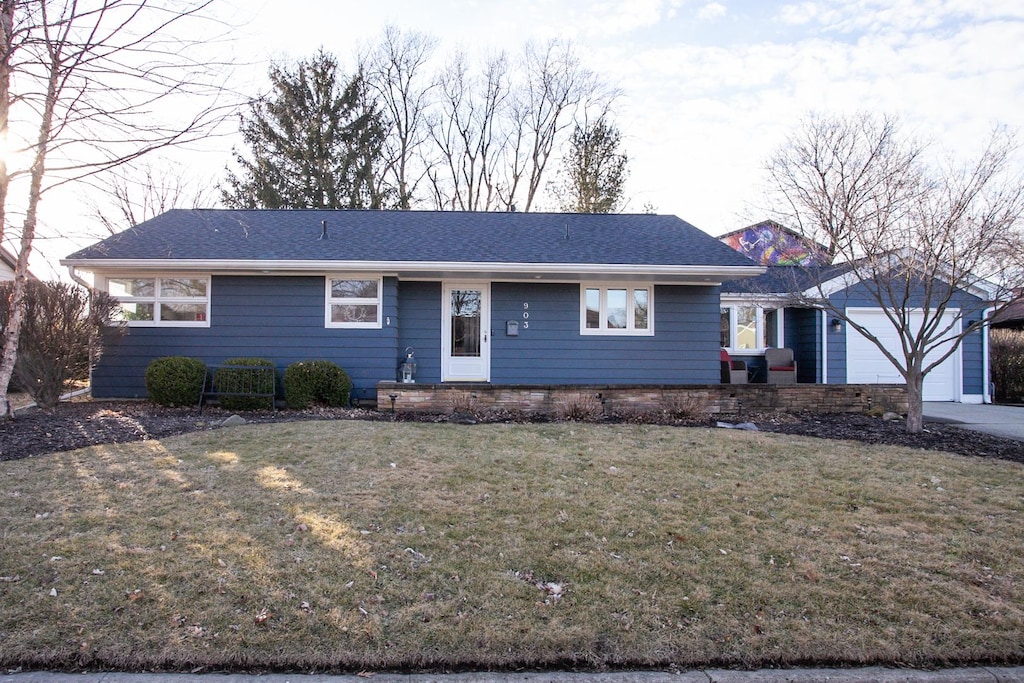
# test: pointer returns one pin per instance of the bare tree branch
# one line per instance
(933, 246)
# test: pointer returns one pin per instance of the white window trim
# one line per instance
(157, 300)
(629, 330)
(759, 323)
(377, 301)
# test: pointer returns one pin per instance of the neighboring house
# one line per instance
(7, 264)
(1010, 317)
(755, 316)
(506, 298)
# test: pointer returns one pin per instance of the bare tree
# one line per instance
(126, 196)
(932, 244)
(395, 70)
(468, 131)
(555, 87)
(89, 78)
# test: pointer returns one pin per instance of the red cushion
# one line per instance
(725, 356)
(782, 368)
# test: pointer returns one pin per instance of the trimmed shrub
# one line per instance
(316, 381)
(175, 380)
(240, 389)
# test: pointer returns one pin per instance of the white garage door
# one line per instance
(865, 363)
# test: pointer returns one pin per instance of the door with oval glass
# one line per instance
(466, 332)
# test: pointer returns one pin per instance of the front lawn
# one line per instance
(368, 545)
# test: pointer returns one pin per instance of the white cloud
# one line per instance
(712, 10)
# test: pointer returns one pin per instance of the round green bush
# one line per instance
(316, 381)
(175, 380)
(262, 381)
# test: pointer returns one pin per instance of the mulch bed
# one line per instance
(78, 424)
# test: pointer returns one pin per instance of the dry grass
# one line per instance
(358, 545)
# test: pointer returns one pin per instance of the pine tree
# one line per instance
(314, 142)
(595, 172)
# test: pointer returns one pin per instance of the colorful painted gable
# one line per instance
(771, 244)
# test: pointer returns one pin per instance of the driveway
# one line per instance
(1005, 421)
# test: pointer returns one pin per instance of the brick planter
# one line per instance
(716, 399)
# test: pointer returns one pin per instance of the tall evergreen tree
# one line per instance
(315, 142)
(595, 171)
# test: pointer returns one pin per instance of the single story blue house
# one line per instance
(756, 314)
(504, 298)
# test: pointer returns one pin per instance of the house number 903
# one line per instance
(526, 316)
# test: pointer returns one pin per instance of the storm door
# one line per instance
(465, 332)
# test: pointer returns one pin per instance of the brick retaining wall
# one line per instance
(720, 399)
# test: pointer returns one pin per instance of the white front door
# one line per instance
(466, 332)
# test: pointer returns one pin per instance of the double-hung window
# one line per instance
(353, 302)
(617, 309)
(162, 301)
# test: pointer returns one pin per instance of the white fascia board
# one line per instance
(703, 275)
(754, 298)
(852, 277)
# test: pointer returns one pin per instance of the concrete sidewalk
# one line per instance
(1005, 421)
(860, 675)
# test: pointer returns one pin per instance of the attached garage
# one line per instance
(866, 364)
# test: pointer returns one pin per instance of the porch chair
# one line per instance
(781, 366)
(733, 371)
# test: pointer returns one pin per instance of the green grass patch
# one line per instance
(369, 545)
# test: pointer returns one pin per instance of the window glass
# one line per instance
(174, 288)
(179, 311)
(131, 287)
(354, 289)
(616, 309)
(746, 327)
(640, 309)
(726, 328)
(771, 327)
(593, 309)
(353, 313)
(136, 311)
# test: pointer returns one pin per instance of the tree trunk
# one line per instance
(12, 332)
(915, 407)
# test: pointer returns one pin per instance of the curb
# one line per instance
(859, 675)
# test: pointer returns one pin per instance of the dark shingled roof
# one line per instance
(784, 279)
(416, 236)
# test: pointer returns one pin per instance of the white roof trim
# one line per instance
(851, 277)
(707, 275)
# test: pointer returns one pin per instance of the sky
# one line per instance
(709, 89)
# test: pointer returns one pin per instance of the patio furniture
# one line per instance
(781, 366)
(733, 371)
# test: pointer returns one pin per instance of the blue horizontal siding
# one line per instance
(274, 317)
(419, 327)
(683, 350)
(282, 318)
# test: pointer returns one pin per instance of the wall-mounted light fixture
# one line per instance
(836, 325)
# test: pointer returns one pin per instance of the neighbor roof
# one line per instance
(418, 242)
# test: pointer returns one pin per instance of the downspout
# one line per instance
(824, 346)
(78, 278)
(986, 375)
